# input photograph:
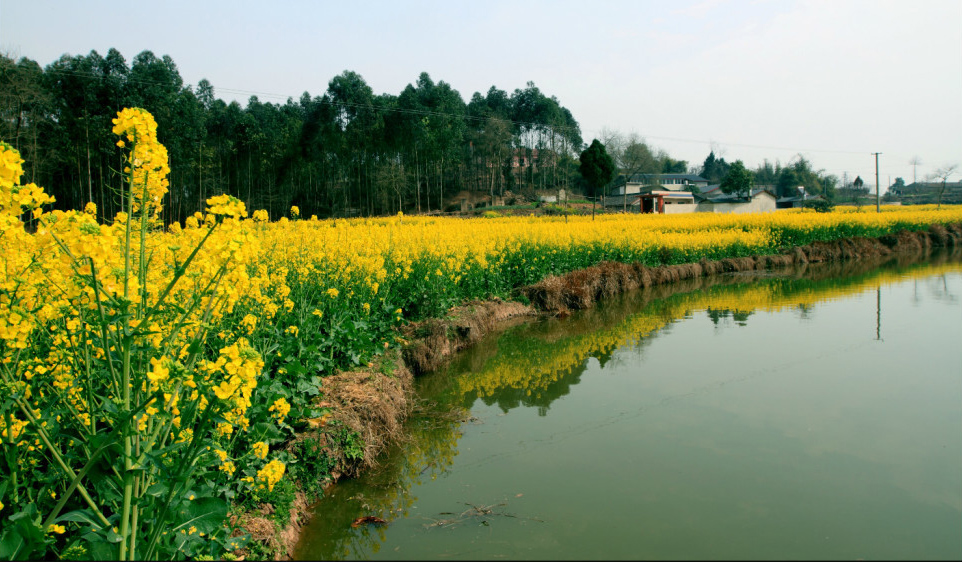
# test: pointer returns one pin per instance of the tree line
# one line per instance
(346, 152)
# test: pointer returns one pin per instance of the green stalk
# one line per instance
(56, 455)
(191, 456)
(105, 333)
(12, 447)
(125, 375)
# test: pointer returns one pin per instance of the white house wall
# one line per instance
(680, 208)
(760, 204)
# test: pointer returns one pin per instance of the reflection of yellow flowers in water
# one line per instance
(540, 363)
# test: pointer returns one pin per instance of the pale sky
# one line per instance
(834, 80)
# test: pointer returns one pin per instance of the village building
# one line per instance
(760, 201)
(671, 194)
(797, 200)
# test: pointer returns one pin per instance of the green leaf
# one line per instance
(157, 490)
(20, 540)
(266, 431)
(207, 514)
(80, 516)
(11, 544)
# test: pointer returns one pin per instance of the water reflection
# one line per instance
(537, 364)
(534, 367)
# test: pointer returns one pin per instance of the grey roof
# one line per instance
(798, 198)
(722, 197)
(645, 177)
(938, 184)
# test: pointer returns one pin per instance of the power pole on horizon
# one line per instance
(915, 161)
(878, 190)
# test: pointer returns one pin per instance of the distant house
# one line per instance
(796, 201)
(717, 201)
(655, 193)
(709, 200)
(525, 158)
(920, 193)
(659, 201)
(916, 187)
(641, 183)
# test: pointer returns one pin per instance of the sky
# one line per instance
(833, 81)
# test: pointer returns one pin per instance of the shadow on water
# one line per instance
(538, 363)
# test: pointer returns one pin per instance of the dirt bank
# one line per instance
(371, 404)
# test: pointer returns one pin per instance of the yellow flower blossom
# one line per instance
(270, 475)
(281, 408)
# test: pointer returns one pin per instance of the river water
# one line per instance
(810, 413)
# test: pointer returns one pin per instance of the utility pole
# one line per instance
(878, 191)
(915, 161)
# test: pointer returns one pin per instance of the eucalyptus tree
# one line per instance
(25, 112)
(361, 127)
(445, 128)
(489, 138)
(319, 144)
(546, 134)
(529, 118)
(434, 118)
(81, 132)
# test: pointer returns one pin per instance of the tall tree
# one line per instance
(714, 169)
(671, 166)
(943, 174)
(25, 109)
(598, 169)
(738, 181)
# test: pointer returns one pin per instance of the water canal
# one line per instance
(811, 414)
